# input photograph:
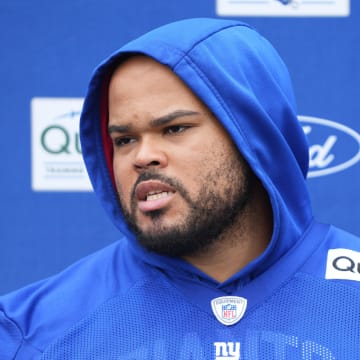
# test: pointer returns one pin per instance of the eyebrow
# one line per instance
(163, 120)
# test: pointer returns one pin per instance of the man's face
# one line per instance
(181, 182)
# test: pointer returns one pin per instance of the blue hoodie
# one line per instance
(299, 299)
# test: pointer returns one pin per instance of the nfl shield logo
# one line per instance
(229, 309)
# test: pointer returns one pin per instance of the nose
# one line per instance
(150, 154)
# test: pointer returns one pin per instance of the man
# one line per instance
(194, 149)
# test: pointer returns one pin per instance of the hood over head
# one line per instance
(240, 77)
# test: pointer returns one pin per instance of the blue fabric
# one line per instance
(126, 303)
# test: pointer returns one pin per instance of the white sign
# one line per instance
(343, 264)
(283, 7)
(336, 146)
(57, 163)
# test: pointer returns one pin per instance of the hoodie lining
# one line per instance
(106, 140)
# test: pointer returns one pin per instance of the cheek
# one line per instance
(123, 183)
(197, 170)
(220, 166)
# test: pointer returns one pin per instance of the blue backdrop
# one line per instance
(49, 49)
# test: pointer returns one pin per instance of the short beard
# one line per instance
(212, 213)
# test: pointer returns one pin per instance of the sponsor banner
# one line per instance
(57, 163)
(283, 8)
(343, 264)
(333, 147)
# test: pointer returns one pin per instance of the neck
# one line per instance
(242, 243)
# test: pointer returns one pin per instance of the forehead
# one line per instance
(143, 84)
(140, 71)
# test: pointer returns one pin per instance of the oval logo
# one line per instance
(333, 147)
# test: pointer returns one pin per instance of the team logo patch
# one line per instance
(229, 309)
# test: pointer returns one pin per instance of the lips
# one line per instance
(153, 195)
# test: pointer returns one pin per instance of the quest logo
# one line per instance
(57, 163)
(333, 147)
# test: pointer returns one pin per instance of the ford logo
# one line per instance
(333, 147)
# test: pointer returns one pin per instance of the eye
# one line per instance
(176, 129)
(123, 141)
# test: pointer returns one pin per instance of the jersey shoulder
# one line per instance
(35, 315)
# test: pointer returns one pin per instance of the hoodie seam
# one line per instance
(198, 42)
(23, 339)
(187, 58)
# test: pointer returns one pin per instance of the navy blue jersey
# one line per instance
(299, 300)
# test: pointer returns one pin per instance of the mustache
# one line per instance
(153, 175)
